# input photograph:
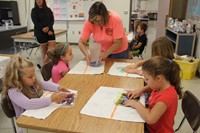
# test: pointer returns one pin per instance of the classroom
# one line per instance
(99, 75)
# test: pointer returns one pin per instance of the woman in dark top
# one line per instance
(43, 20)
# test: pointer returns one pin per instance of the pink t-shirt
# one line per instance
(106, 36)
(166, 121)
(57, 70)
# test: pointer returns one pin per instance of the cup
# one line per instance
(95, 51)
(7, 25)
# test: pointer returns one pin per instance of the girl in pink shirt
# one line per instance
(162, 76)
(60, 55)
(107, 29)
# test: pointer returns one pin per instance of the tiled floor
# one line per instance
(192, 85)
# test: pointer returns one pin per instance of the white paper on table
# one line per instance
(117, 69)
(42, 113)
(102, 104)
(3, 63)
(83, 68)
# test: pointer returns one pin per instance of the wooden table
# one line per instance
(29, 36)
(70, 120)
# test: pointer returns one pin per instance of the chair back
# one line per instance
(7, 107)
(46, 71)
(191, 110)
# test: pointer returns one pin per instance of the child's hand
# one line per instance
(61, 88)
(133, 94)
(130, 103)
(58, 97)
(133, 71)
(133, 66)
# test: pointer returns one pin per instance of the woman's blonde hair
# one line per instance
(162, 46)
(13, 74)
(98, 8)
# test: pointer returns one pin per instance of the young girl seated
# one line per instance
(60, 56)
(162, 75)
(162, 46)
(24, 90)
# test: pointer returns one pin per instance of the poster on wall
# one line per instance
(193, 11)
(67, 9)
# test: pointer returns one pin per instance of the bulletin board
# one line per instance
(70, 9)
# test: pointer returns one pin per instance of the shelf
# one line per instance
(183, 42)
(171, 40)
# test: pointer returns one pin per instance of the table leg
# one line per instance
(14, 44)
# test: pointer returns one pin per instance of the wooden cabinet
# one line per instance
(183, 42)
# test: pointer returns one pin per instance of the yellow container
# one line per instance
(188, 68)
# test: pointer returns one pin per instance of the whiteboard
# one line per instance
(70, 9)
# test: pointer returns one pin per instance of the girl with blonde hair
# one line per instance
(23, 89)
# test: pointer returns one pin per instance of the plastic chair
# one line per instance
(139, 55)
(191, 110)
(9, 111)
(46, 70)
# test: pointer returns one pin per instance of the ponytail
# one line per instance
(168, 68)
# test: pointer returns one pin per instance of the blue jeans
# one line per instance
(122, 55)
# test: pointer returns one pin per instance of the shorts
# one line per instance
(122, 55)
(45, 38)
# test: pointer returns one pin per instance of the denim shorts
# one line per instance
(122, 55)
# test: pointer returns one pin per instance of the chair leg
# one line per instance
(13, 124)
(180, 124)
(29, 53)
(37, 50)
(141, 56)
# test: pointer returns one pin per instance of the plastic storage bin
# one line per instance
(188, 68)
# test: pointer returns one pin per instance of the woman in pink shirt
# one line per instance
(107, 29)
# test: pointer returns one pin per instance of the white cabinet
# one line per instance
(74, 30)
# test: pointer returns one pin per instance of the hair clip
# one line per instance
(63, 49)
(170, 61)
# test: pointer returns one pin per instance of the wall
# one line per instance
(149, 5)
(163, 10)
(122, 8)
(178, 9)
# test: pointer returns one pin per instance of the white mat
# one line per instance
(83, 68)
(117, 69)
(42, 113)
(102, 104)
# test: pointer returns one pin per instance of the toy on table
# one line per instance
(122, 98)
(70, 99)
(95, 63)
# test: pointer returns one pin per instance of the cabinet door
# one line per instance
(185, 45)
(74, 31)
